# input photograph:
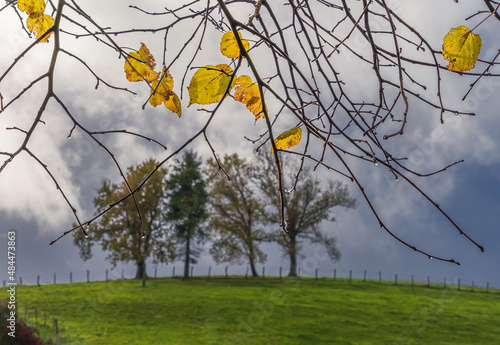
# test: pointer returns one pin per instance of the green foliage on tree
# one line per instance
(307, 205)
(238, 214)
(118, 231)
(185, 207)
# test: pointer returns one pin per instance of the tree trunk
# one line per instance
(141, 270)
(292, 251)
(186, 259)
(252, 267)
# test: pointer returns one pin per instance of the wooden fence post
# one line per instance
(58, 340)
(106, 275)
(280, 272)
(38, 280)
(316, 273)
(209, 271)
(71, 277)
(364, 276)
(396, 279)
(156, 268)
(88, 276)
(54, 278)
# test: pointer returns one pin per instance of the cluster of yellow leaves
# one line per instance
(140, 66)
(210, 84)
(38, 22)
(461, 48)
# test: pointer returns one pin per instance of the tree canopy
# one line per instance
(238, 213)
(119, 232)
(185, 207)
(308, 204)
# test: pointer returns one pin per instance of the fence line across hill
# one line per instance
(334, 274)
(33, 317)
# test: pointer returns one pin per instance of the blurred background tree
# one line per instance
(237, 213)
(118, 231)
(185, 208)
(308, 204)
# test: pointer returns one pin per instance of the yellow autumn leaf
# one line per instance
(140, 65)
(38, 23)
(173, 103)
(31, 6)
(288, 139)
(161, 92)
(461, 48)
(229, 46)
(247, 92)
(160, 88)
(209, 84)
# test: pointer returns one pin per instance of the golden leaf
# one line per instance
(165, 84)
(248, 93)
(229, 46)
(38, 23)
(140, 65)
(161, 92)
(288, 139)
(209, 84)
(173, 103)
(461, 48)
(31, 6)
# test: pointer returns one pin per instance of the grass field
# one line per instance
(264, 311)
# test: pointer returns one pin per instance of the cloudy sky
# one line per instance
(31, 204)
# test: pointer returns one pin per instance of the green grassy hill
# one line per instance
(263, 311)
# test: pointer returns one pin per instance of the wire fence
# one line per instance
(34, 316)
(227, 272)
